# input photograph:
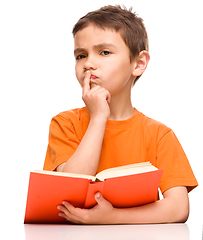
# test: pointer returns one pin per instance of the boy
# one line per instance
(111, 51)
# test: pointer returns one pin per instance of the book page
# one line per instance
(126, 170)
(65, 174)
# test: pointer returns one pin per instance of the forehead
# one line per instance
(93, 35)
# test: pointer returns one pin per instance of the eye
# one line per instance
(81, 56)
(105, 53)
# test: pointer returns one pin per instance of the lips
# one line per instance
(93, 77)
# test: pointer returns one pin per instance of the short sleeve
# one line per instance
(176, 168)
(63, 141)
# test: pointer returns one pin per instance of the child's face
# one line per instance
(106, 56)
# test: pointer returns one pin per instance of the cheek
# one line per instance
(116, 79)
(78, 75)
(118, 75)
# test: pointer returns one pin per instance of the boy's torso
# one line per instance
(125, 142)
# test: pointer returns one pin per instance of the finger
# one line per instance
(63, 209)
(68, 206)
(65, 213)
(100, 91)
(105, 94)
(69, 219)
(86, 82)
(108, 97)
(73, 211)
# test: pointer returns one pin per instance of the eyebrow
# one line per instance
(100, 45)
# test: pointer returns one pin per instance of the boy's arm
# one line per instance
(86, 158)
(173, 208)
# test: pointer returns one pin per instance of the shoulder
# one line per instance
(73, 115)
(74, 120)
(153, 128)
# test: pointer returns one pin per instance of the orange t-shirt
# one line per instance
(137, 139)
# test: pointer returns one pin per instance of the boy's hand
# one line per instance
(102, 213)
(97, 99)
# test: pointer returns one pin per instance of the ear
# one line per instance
(141, 63)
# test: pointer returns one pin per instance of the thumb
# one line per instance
(99, 198)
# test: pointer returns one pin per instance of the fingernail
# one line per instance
(58, 207)
(98, 195)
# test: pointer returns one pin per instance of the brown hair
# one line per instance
(120, 19)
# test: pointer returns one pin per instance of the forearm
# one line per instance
(168, 210)
(151, 213)
(86, 158)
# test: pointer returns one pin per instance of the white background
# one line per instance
(37, 81)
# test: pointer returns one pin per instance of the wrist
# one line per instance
(98, 119)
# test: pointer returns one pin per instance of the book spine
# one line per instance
(93, 188)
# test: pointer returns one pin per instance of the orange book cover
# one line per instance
(46, 192)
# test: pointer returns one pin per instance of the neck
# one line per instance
(121, 108)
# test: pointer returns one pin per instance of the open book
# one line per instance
(126, 186)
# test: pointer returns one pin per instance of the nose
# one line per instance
(89, 64)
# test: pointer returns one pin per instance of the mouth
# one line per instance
(93, 77)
